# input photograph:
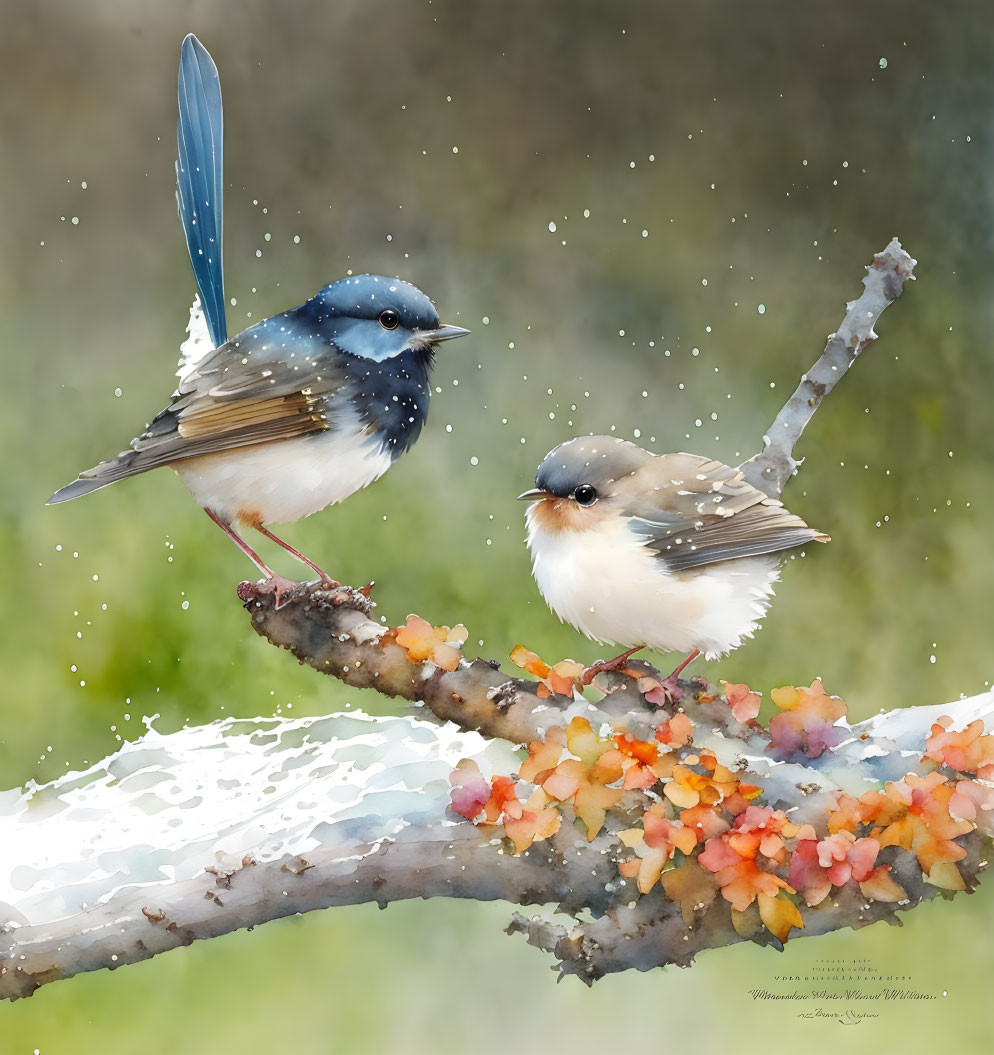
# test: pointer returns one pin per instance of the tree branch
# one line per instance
(362, 815)
(330, 631)
(885, 277)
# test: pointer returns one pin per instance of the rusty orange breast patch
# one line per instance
(555, 515)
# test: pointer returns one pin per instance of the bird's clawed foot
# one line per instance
(669, 689)
(607, 664)
(284, 592)
(280, 588)
(283, 588)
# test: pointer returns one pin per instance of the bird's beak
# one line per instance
(535, 492)
(444, 333)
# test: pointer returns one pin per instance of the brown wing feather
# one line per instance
(702, 512)
(220, 418)
(231, 400)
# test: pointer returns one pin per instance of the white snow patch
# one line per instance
(165, 807)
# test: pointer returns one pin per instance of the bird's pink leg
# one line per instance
(607, 664)
(686, 663)
(280, 585)
(324, 576)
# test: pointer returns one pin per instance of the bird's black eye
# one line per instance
(585, 495)
(389, 319)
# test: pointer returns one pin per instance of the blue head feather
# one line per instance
(199, 134)
(350, 310)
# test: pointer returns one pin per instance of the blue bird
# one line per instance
(298, 411)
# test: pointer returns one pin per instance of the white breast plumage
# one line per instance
(609, 586)
(280, 482)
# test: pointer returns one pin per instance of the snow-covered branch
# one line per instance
(200, 832)
(212, 828)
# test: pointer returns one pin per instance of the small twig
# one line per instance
(775, 464)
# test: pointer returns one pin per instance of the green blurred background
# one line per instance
(717, 175)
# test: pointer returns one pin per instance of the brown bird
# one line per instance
(674, 551)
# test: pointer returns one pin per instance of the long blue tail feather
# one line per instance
(199, 169)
